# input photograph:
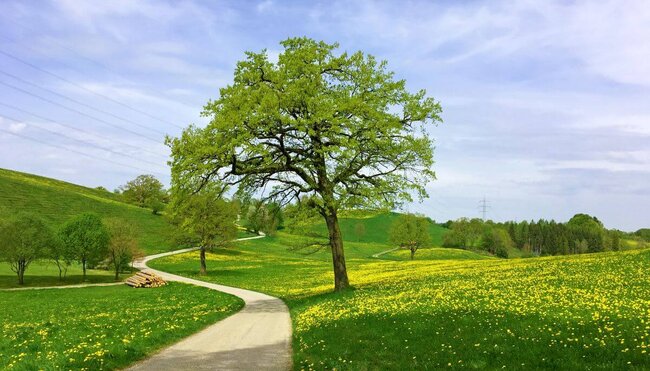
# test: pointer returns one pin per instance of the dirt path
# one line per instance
(256, 338)
(384, 252)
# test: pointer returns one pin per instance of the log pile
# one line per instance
(145, 280)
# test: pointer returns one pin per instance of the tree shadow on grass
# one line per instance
(461, 339)
(11, 281)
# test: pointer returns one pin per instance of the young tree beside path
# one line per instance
(338, 128)
(206, 217)
(123, 245)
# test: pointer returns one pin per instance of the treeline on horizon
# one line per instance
(581, 234)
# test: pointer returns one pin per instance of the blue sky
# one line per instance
(546, 104)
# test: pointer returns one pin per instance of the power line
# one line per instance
(75, 151)
(78, 112)
(85, 88)
(79, 130)
(62, 46)
(81, 141)
(80, 103)
(24, 45)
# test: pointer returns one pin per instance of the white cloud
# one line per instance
(264, 6)
(612, 166)
(17, 127)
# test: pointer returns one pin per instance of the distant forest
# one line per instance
(582, 234)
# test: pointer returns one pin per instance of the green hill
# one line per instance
(56, 201)
(375, 228)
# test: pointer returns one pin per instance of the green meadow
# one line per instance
(46, 273)
(102, 327)
(448, 308)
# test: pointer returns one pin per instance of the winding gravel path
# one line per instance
(258, 337)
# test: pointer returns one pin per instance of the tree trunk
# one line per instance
(341, 281)
(117, 272)
(21, 273)
(412, 253)
(83, 266)
(204, 269)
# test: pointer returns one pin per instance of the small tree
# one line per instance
(496, 241)
(464, 233)
(86, 240)
(123, 246)
(24, 239)
(156, 206)
(206, 216)
(143, 191)
(410, 232)
(57, 253)
(359, 231)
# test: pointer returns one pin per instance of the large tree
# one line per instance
(144, 191)
(340, 128)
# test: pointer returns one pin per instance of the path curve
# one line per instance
(377, 255)
(258, 337)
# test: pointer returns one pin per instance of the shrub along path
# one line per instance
(256, 338)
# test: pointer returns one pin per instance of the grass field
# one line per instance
(101, 327)
(436, 253)
(375, 227)
(56, 201)
(45, 273)
(449, 309)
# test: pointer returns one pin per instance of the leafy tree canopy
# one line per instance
(86, 240)
(338, 127)
(23, 239)
(411, 232)
(144, 191)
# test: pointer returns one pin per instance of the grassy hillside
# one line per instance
(568, 312)
(375, 228)
(56, 201)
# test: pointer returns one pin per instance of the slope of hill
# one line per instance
(375, 227)
(56, 201)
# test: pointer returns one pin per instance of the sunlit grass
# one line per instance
(586, 311)
(46, 273)
(101, 327)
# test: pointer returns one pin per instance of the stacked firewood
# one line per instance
(145, 280)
